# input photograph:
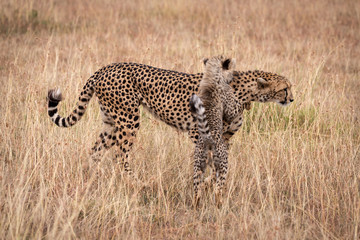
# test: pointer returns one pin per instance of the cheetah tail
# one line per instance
(197, 109)
(55, 96)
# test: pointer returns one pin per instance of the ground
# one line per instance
(293, 172)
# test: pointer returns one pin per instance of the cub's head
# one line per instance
(274, 88)
(219, 69)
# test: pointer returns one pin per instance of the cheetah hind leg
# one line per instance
(106, 138)
(122, 154)
(104, 142)
(125, 136)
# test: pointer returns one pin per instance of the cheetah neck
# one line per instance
(245, 85)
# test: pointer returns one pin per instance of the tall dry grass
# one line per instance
(294, 172)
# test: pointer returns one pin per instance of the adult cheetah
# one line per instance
(122, 87)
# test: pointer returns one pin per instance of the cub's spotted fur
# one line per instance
(216, 103)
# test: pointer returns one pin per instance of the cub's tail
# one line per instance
(198, 110)
(55, 96)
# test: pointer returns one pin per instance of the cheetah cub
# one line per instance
(215, 103)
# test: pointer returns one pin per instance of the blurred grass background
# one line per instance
(294, 172)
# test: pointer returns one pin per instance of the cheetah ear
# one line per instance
(205, 61)
(228, 64)
(261, 83)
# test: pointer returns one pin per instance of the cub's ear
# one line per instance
(205, 61)
(261, 83)
(228, 64)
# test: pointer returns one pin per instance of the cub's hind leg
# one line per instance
(200, 157)
(211, 180)
(221, 168)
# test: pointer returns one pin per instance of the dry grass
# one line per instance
(294, 172)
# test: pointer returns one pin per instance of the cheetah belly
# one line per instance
(172, 114)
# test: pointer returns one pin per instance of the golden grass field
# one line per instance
(294, 173)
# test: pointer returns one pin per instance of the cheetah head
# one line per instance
(274, 88)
